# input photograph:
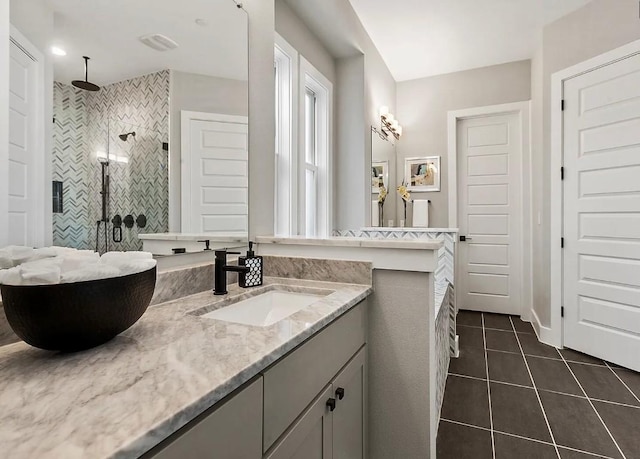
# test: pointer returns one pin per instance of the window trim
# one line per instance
(311, 78)
(286, 164)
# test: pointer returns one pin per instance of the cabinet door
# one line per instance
(232, 431)
(350, 413)
(310, 437)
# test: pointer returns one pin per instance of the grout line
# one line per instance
(624, 383)
(546, 420)
(521, 437)
(594, 408)
(486, 366)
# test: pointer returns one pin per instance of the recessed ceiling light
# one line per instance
(202, 22)
(56, 51)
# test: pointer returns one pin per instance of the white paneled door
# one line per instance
(23, 178)
(214, 173)
(601, 256)
(489, 214)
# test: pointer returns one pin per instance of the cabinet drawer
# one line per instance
(292, 384)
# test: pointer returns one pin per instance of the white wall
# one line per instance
(422, 111)
(600, 26)
(198, 93)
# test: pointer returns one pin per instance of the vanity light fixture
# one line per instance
(388, 124)
(57, 51)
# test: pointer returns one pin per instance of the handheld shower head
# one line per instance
(125, 137)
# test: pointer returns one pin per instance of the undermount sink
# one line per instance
(267, 308)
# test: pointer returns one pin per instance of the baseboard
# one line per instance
(545, 334)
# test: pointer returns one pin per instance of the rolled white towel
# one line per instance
(14, 255)
(123, 258)
(89, 273)
(136, 266)
(76, 261)
(37, 274)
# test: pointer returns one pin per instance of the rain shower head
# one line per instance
(85, 84)
(125, 137)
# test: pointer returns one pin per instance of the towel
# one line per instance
(124, 258)
(375, 213)
(89, 273)
(136, 266)
(14, 255)
(421, 213)
(39, 274)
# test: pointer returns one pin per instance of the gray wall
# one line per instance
(359, 70)
(402, 365)
(261, 119)
(598, 27)
(298, 35)
(422, 111)
(198, 93)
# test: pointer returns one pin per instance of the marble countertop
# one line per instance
(215, 237)
(379, 243)
(410, 229)
(121, 399)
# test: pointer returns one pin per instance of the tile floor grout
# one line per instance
(486, 367)
(623, 383)
(594, 409)
(522, 438)
(561, 358)
(582, 397)
(544, 413)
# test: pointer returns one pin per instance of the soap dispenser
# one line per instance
(253, 278)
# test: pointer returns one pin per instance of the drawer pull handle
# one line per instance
(340, 393)
(331, 403)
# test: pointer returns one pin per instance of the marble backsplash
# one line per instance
(347, 272)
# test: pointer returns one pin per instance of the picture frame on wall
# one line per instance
(422, 174)
(379, 175)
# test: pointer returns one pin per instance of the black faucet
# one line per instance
(221, 270)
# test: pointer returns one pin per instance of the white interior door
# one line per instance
(601, 254)
(215, 193)
(24, 151)
(489, 213)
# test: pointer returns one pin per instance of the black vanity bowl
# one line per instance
(73, 317)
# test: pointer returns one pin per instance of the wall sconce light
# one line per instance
(388, 124)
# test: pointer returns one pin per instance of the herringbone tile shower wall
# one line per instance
(88, 123)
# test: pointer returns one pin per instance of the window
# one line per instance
(286, 80)
(303, 146)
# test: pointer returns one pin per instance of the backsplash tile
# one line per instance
(348, 272)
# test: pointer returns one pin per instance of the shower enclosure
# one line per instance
(111, 178)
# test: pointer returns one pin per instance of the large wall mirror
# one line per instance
(150, 129)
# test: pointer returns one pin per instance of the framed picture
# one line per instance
(422, 174)
(379, 175)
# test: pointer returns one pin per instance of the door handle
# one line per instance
(465, 238)
(331, 403)
(340, 393)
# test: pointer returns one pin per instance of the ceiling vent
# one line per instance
(158, 42)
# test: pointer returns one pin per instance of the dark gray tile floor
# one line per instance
(510, 396)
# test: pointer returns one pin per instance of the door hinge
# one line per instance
(561, 311)
(562, 104)
(562, 173)
(562, 243)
